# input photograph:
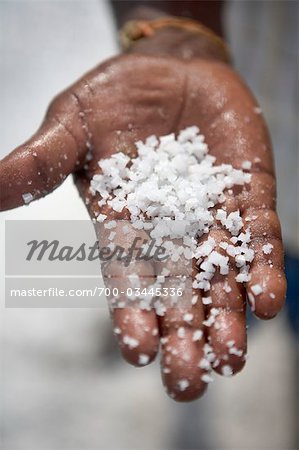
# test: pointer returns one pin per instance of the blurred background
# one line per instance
(63, 383)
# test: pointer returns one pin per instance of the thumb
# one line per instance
(41, 164)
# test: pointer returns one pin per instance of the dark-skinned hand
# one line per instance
(158, 89)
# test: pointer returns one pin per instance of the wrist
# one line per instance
(207, 12)
(173, 36)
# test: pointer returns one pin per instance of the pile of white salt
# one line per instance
(175, 184)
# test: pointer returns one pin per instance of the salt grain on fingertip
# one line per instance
(130, 342)
(183, 384)
(194, 299)
(143, 359)
(27, 198)
(206, 378)
(234, 351)
(226, 370)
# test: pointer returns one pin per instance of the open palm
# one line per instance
(127, 99)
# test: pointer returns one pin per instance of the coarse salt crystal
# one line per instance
(227, 288)
(246, 165)
(188, 317)
(110, 224)
(130, 342)
(204, 364)
(117, 330)
(251, 301)
(206, 378)
(181, 332)
(197, 335)
(234, 351)
(206, 300)
(267, 248)
(27, 198)
(226, 370)
(183, 384)
(257, 289)
(101, 217)
(143, 359)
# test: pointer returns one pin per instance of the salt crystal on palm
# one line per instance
(181, 332)
(188, 317)
(227, 288)
(110, 224)
(267, 248)
(206, 300)
(246, 165)
(243, 277)
(101, 217)
(197, 335)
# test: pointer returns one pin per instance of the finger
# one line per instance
(182, 353)
(42, 163)
(136, 331)
(184, 375)
(134, 320)
(266, 289)
(225, 307)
